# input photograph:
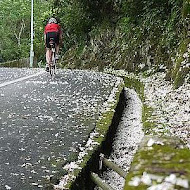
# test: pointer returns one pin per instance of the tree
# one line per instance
(15, 27)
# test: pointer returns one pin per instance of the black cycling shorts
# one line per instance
(54, 35)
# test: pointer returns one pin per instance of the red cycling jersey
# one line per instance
(52, 27)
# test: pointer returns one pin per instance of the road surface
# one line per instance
(44, 122)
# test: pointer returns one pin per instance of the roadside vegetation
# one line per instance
(15, 28)
(138, 36)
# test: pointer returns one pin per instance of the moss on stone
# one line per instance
(180, 77)
(135, 84)
(163, 159)
(179, 73)
(176, 68)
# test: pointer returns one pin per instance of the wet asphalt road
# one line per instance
(44, 122)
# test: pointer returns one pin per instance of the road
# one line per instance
(44, 122)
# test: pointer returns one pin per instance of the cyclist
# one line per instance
(52, 30)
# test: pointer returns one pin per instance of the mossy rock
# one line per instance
(136, 85)
(178, 73)
(180, 77)
(159, 158)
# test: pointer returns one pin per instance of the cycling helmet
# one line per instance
(52, 20)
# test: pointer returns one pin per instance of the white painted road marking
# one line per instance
(20, 79)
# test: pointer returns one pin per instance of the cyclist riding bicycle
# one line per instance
(52, 30)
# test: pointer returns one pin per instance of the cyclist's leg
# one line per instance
(47, 59)
(48, 53)
(57, 51)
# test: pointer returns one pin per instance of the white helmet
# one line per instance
(52, 20)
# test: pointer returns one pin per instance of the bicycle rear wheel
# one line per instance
(54, 61)
(51, 70)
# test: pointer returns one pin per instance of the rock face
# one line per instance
(45, 124)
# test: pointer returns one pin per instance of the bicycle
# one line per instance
(52, 65)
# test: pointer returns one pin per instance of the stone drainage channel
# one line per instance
(120, 145)
(158, 163)
(126, 140)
